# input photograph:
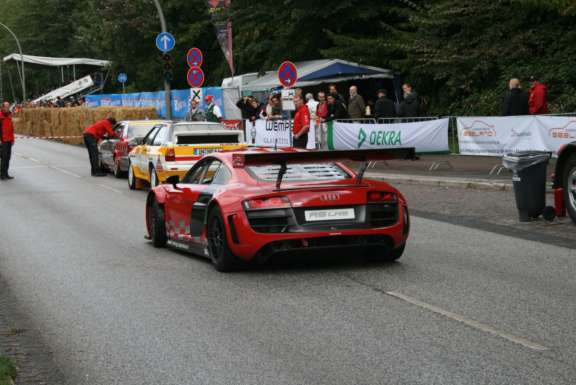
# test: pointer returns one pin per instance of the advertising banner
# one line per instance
(425, 136)
(275, 133)
(497, 136)
(180, 100)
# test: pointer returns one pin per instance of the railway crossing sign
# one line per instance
(165, 41)
(287, 74)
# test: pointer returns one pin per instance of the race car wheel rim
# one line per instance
(130, 176)
(216, 239)
(571, 185)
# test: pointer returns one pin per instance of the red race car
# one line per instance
(238, 207)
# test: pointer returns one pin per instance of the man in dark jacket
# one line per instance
(384, 107)
(7, 140)
(410, 106)
(516, 100)
(356, 104)
(336, 109)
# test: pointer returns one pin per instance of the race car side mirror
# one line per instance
(173, 180)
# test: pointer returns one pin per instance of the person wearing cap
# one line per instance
(537, 99)
(92, 135)
(384, 107)
(213, 112)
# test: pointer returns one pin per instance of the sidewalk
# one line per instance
(449, 171)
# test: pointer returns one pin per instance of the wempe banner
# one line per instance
(425, 136)
(275, 133)
(497, 136)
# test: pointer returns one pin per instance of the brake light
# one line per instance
(381, 196)
(267, 203)
(170, 155)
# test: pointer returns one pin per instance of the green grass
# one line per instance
(7, 371)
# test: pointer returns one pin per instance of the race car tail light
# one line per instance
(170, 155)
(267, 203)
(381, 196)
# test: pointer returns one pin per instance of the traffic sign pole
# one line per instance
(167, 90)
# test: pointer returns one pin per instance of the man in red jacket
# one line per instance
(92, 135)
(301, 123)
(7, 139)
(537, 102)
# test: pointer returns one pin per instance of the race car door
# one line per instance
(139, 158)
(188, 202)
(106, 147)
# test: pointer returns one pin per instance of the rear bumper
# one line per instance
(174, 168)
(248, 244)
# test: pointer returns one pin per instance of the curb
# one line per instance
(476, 184)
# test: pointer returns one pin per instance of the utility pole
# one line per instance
(167, 90)
(21, 71)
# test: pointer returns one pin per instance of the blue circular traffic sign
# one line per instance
(195, 57)
(122, 77)
(165, 41)
(287, 74)
(195, 77)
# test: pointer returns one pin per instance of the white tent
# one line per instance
(56, 61)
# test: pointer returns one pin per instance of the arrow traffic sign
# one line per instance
(287, 74)
(122, 77)
(165, 41)
(194, 57)
(195, 77)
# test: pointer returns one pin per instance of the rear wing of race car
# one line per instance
(283, 158)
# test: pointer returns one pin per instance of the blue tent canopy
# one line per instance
(314, 72)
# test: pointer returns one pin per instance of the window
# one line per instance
(195, 174)
(161, 136)
(223, 177)
(150, 136)
(138, 130)
(211, 172)
(119, 129)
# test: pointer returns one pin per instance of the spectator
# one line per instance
(516, 100)
(537, 100)
(356, 105)
(301, 123)
(60, 102)
(6, 140)
(410, 106)
(245, 106)
(312, 105)
(256, 110)
(194, 113)
(384, 107)
(336, 109)
(274, 108)
(322, 108)
(213, 112)
(332, 90)
(92, 135)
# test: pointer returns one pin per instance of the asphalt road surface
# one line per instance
(463, 306)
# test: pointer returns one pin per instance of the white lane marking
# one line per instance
(475, 324)
(65, 171)
(109, 188)
(24, 167)
(27, 157)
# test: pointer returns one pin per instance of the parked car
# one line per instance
(114, 152)
(171, 148)
(242, 206)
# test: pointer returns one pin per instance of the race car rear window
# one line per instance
(207, 139)
(300, 172)
(139, 130)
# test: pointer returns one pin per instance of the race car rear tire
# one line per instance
(220, 254)
(132, 180)
(118, 173)
(157, 225)
(569, 185)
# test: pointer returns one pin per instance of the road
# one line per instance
(463, 306)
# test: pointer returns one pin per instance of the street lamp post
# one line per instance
(167, 90)
(22, 75)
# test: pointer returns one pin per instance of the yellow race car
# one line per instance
(172, 148)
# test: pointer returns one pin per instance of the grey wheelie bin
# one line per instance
(529, 180)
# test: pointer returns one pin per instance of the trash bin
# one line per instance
(529, 180)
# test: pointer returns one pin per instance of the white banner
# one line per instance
(425, 136)
(69, 89)
(497, 136)
(275, 133)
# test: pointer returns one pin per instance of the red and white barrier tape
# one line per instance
(49, 137)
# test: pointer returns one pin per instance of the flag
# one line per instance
(223, 26)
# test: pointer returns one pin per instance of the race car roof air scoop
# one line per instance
(283, 158)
